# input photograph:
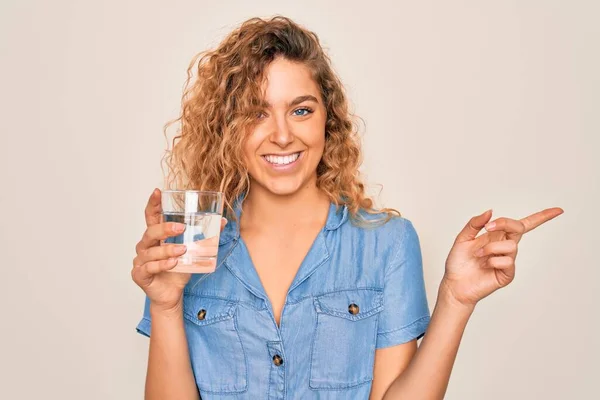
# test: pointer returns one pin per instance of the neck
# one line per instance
(308, 206)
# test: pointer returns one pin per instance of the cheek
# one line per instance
(314, 134)
(247, 150)
(250, 146)
(248, 158)
(319, 142)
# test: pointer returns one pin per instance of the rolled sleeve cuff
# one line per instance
(144, 327)
(414, 330)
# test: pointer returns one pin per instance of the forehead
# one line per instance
(285, 80)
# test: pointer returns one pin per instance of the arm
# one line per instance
(169, 374)
(424, 374)
(390, 362)
(476, 267)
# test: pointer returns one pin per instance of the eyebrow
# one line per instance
(296, 101)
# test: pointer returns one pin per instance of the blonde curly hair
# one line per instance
(220, 106)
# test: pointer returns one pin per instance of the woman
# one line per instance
(317, 293)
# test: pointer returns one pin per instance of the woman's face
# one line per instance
(284, 148)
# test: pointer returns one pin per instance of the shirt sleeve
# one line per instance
(406, 313)
(143, 326)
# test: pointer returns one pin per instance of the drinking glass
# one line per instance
(201, 213)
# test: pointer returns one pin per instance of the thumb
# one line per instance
(473, 227)
(223, 223)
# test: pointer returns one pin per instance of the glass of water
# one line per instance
(201, 213)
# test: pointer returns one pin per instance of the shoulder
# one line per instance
(389, 240)
(396, 228)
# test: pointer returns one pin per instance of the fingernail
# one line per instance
(479, 252)
(181, 248)
(490, 226)
(172, 260)
(179, 227)
(225, 221)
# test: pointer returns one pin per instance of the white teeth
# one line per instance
(282, 160)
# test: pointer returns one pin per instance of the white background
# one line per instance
(468, 105)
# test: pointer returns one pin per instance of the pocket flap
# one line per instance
(351, 304)
(203, 310)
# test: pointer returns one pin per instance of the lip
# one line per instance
(282, 154)
(286, 167)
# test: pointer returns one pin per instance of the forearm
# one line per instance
(428, 374)
(169, 373)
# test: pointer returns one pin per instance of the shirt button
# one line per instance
(277, 360)
(202, 314)
(353, 309)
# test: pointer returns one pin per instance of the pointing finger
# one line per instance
(533, 221)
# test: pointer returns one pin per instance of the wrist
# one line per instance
(166, 310)
(447, 299)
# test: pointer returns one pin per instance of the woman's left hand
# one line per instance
(478, 266)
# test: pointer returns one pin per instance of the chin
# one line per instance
(281, 187)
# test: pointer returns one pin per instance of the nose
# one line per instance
(281, 133)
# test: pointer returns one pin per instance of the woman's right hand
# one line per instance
(153, 261)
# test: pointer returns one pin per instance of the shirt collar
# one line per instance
(231, 230)
(336, 217)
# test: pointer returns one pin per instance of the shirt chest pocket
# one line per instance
(343, 349)
(216, 351)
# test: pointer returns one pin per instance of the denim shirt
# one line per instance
(357, 290)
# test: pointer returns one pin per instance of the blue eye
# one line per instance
(302, 112)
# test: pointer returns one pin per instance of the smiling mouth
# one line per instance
(281, 160)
